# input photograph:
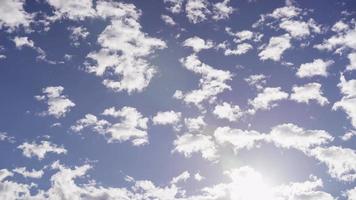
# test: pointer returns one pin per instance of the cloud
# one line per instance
(340, 161)
(243, 35)
(351, 194)
(348, 135)
(212, 83)
(318, 67)
(197, 43)
(131, 125)
(188, 144)
(307, 93)
(77, 34)
(299, 29)
(237, 138)
(267, 99)
(58, 104)
(348, 101)
(292, 136)
(342, 40)
(221, 10)
(195, 124)
(240, 49)
(228, 111)
(168, 20)
(197, 10)
(13, 15)
(124, 49)
(175, 6)
(29, 174)
(73, 10)
(352, 59)
(256, 80)
(41, 149)
(22, 42)
(275, 48)
(5, 137)
(181, 177)
(167, 118)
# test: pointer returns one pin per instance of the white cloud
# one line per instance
(74, 10)
(124, 49)
(197, 10)
(10, 189)
(188, 144)
(348, 101)
(352, 59)
(175, 6)
(340, 161)
(197, 44)
(351, 194)
(166, 118)
(77, 34)
(228, 111)
(41, 149)
(244, 35)
(342, 40)
(13, 15)
(168, 20)
(58, 104)
(285, 12)
(130, 125)
(318, 67)
(198, 177)
(240, 49)
(256, 80)
(5, 137)
(194, 124)
(212, 83)
(267, 99)
(348, 135)
(307, 93)
(23, 41)
(299, 29)
(29, 174)
(221, 10)
(275, 48)
(181, 177)
(239, 139)
(292, 136)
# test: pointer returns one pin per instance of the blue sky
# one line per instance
(178, 100)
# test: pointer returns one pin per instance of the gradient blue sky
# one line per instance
(272, 83)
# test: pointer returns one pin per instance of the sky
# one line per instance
(178, 100)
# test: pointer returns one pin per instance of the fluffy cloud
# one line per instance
(340, 161)
(307, 93)
(299, 29)
(132, 126)
(77, 34)
(23, 41)
(212, 83)
(352, 59)
(197, 10)
(293, 136)
(221, 10)
(239, 139)
(5, 137)
(29, 174)
(318, 67)
(256, 80)
(181, 177)
(240, 49)
(74, 10)
(267, 99)
(197, 44)
(166, 118)
(168, 20)
(13, 15)
(194, 124)
(348, 135)
(228, 111)
(351, 194)
(243, 35)
(58, 104)
(188, 144)
(41, 149)
(348, 101)
(275, 48)
(124, 49)
(175, 6)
